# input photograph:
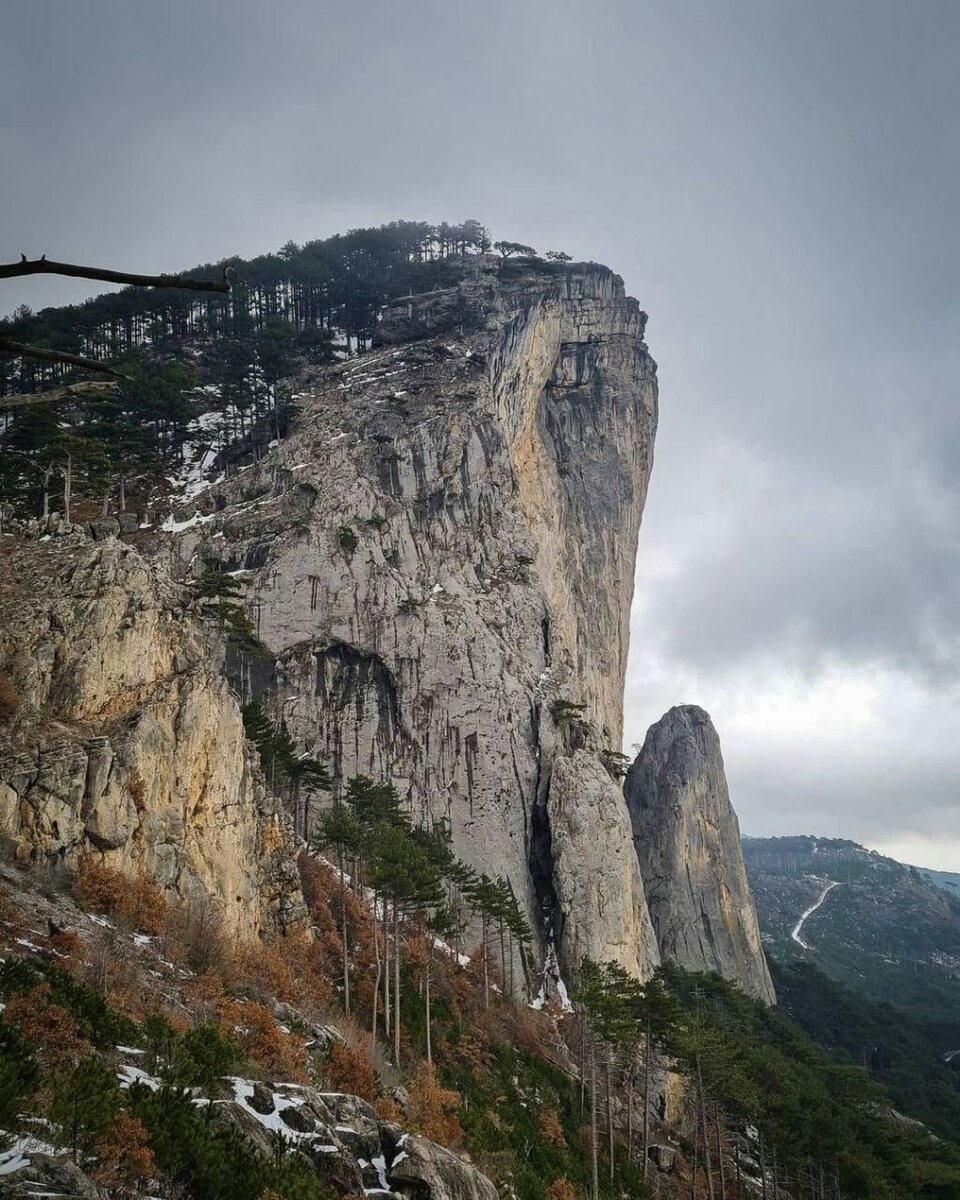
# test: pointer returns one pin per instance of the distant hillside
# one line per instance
(947, 880)
(890, 932)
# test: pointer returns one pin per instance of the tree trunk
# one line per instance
(386, 967)
(343, 933)
(486, 972)
(594, 1171)
(426, 992)
(67, 487)
(719, 1133)
(583, 1066)
(396, 985)
(379, 962)
(610, 1116)
(648, 1049)
(705, 1134)
(630, 1114)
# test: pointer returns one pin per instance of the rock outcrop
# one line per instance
(128, 743)
(352, 1151)
(687, 841)
(601, 909)
(443, 548)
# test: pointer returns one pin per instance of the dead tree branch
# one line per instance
(9, 346)
(71, 391)
(43, 266)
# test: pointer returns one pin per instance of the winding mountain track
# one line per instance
(809, 912)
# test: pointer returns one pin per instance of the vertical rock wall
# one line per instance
(687, 840)
(443, 549)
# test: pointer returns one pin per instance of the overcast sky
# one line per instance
(776, 181)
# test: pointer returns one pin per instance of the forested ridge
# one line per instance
(203, 371)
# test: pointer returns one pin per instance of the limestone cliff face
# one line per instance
(442, 549)
(687, 840)
(128, 744)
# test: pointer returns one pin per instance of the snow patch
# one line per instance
(128, 1076)
(172, 526)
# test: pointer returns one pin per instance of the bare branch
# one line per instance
(42, 266)
(8, 346)
(71, 391)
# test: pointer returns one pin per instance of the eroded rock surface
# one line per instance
(687, 839)
(445, 546)
(128, 743)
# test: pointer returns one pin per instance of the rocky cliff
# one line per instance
(443, 550)
(439, 562)
(127, 744)
(687, 840)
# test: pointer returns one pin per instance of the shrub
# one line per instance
(349, 1070)
(205, 1054)
(124, 1159)
(9, 700)
(47, 1027)
(281, 1056)
(144, 905)
(560, 1189)
(109, 969)
(202, 1159)
(552, 1130)
(18, 1075)
(66, 944)
(347, 540)
(204, 994)
(388, 1110)
(83, 1102)
(433, 1108)
(137, 900)
(194, 934)
(100, 886)
(95, 1020)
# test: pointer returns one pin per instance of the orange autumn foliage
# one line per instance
(560, 1189)
(388, 1110)
(135, 899)
(551, 1128)
(123, 1157)
(433, 1108)
(281, 1056)
(46, 1026)
(349, 1070)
